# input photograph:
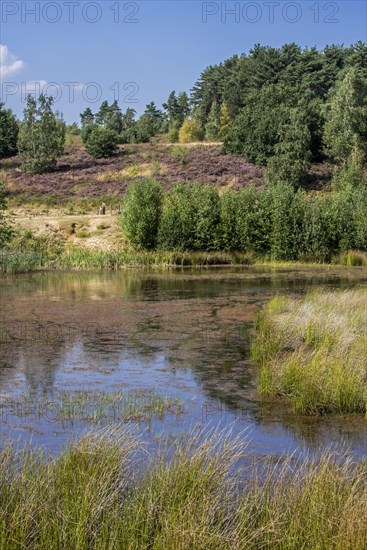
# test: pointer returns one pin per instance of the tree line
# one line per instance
(275, 222)
(280, 107)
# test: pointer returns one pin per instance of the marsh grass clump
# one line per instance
(68, 502)
(106, 492)
(353, 258)
(314, 351)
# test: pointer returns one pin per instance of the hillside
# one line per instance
(81, 179)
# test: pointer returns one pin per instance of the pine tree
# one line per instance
(102, 115)
(86, 118)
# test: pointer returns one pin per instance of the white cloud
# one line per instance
(9, 64)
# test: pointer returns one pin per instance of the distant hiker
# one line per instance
(103, 209)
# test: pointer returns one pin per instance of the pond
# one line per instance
(164, 351)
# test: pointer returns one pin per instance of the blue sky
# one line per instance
(139, 51)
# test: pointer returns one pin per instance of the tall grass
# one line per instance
(314, 350)
(18, 261)
(98, 495)
(353, 258)
(23, 260)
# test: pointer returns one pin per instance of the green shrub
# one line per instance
(141, 213)
(276, 222)
(206, 216)
(228, 221)
(101, 142)
(176, 228)
(237, 220)
(173, 132)
(255, 131)
(190, 219)
(351, 173)
(9, 128)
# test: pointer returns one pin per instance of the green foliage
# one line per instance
(124, 125)
(41, 136)
(225, 121)
(9, 128)
(177, 108)
(101, 142)
(148, 125)
(73, 129)
(179, 153)
(141, 213)
(255, 131)
(277, 222)
(257, 87)
(287, 222)
(292, 154)
(206, 216)
(86, 132)
(212, 127)
(351, 173)
(110, 117)
(173, 133)
(176, 227)
(87, 118)
(346, 116)
(237, 220)
(190, 218)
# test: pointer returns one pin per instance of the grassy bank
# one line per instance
(14, 260)
(96, 494)
(314, 351)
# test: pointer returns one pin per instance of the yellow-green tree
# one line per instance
(190, 131)
(225, 121)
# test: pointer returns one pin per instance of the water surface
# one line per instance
(182, 334)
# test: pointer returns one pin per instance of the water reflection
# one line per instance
(184, 333)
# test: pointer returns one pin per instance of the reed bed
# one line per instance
(103, 492)
(13, 261)
(314, 351)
